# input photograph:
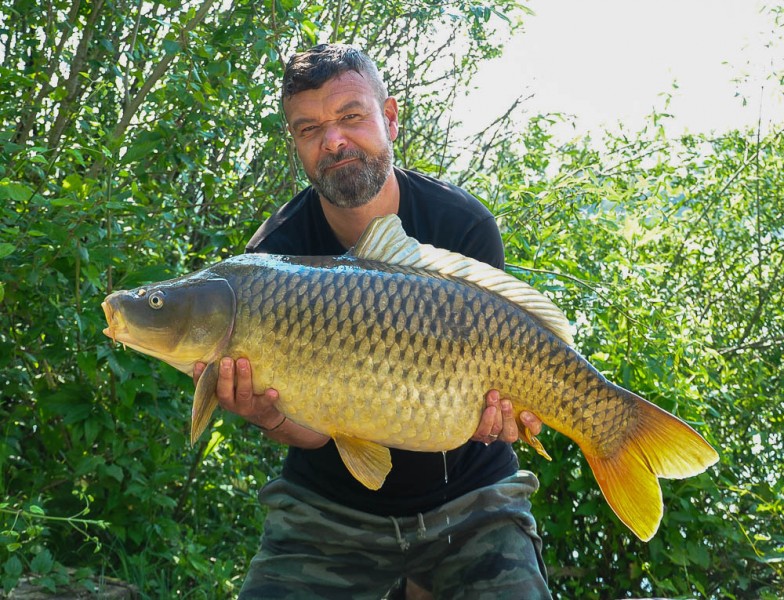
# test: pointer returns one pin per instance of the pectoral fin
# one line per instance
(368, 462)
(204, 401)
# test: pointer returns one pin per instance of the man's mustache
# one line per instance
(333, 159)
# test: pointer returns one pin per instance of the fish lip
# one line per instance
(114, 327)
(108, 312)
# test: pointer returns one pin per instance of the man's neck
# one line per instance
(348, 223)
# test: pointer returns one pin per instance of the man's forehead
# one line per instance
(345, 91)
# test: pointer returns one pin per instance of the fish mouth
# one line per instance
(116, 327)
(111, 330)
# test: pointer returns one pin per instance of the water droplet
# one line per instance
(446, 473)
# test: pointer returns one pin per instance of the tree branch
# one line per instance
(157, 74)
(72, 84)
(27, 121)
(757, 345)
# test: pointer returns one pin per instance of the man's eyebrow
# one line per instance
(351, 104)
(297, 123)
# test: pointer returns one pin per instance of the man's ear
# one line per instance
(391, 112)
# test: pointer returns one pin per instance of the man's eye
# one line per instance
(350, 117)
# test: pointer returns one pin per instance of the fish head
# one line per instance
(180, 321)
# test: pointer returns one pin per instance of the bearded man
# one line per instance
(444, 525)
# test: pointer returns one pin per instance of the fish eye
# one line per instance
(156, 300)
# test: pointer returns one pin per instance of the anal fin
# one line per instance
(530, 439)
(368, 462)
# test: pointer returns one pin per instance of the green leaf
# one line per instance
(17, 192)
(171, 46)
(113, 471)
(311, 30)
(36, 510)
(73, 182)
(6, 249)
(65, 202)
(47, 583)
(88, 464)
(91, 429)
(42, 563)
(13, 567)
(139, 149)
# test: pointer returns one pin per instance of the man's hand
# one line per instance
(498, 421)
(235, 394)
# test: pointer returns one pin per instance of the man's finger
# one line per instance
(198, 369)
(225, 388)
(489, 416)
(487, 430)
(244, 390)
(531, 421)
(509, 432)
(487, 422)
(270, 396)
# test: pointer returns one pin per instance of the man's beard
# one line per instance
(356, 183)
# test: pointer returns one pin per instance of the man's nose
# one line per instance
(333, 138)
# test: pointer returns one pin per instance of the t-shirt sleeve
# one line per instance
(483, 242)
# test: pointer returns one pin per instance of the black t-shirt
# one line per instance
(434, 213)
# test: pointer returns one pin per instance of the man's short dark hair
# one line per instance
(311, 69)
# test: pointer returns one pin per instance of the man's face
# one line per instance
(344, 138)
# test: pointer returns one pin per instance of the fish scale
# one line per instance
(396, 345)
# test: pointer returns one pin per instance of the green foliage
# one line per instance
(28, 528)
(140, 141)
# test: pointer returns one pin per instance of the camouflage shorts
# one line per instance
(481, 545)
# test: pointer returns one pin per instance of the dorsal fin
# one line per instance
(385, 240)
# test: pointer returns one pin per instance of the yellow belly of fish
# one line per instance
(386, 402)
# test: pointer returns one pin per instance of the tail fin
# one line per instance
(660, 445)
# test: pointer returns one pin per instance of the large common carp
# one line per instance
(395, 345)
